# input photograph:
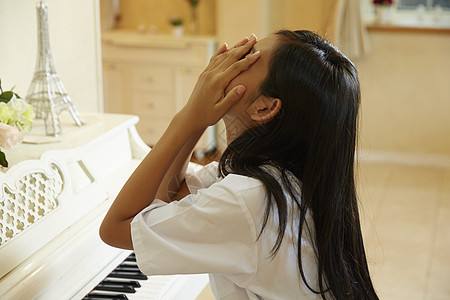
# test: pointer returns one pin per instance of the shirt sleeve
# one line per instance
(211, 231)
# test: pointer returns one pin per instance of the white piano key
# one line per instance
(154, 288)
(167, 287)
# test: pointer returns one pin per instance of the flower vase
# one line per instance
(383, 13)
(178, 31)
(193, 26)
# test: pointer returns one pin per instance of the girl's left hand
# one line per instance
(208, 102)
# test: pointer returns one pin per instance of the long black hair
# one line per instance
(314, 137)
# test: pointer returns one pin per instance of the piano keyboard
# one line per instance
(126, 281)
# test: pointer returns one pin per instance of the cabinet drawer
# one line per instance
(151, 78)
(152, 104)
(151, 129)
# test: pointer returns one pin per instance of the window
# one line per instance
(411, 13)
(428, 4)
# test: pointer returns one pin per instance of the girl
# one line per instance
(277, 218)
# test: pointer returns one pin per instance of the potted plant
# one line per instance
(177, 25)
(194, 20)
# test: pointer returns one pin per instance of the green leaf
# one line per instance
(3, 160)
(6, 96)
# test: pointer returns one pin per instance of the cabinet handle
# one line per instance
(150, 79)
(151, 105)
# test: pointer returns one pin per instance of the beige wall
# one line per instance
(74, 41)
(134, 13)
(405, 84)
(228, 19)
(236, 19)
(294, 15)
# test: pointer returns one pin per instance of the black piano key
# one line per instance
(129, 263)
(97, 298)
(131, 257)
(127, 268)
(132, 283)
(101, 296)
(128, 275)
(115, 288)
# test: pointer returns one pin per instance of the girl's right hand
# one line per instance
(208, 102)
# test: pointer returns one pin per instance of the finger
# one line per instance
(241, 65)
(235, 54)
(223, 79)
(217, 58)
(221, 49)
(230, 99)
(241, 43)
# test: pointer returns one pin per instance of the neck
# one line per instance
(234, 128)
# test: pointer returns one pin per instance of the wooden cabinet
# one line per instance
(112, 92)
(152, 76)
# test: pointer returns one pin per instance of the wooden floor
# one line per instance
(206, 158)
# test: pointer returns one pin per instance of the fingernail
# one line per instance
(240, 90)
(257, 53)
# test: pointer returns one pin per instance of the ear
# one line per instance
(264, 109)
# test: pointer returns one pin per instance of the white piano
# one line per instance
(52, 200)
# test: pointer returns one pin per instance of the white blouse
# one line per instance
(215, 230)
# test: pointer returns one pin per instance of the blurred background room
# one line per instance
(142, 57)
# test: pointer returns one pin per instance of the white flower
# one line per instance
(6, 112)
(10, 136)
(19, 105)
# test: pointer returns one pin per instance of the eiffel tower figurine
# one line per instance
(46, 93)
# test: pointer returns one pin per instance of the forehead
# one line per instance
(267, 45)
(267, 42)
(255, 74)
